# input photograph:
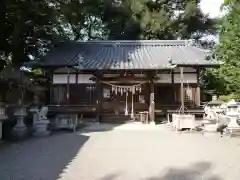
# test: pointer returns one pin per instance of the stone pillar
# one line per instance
(152, 103)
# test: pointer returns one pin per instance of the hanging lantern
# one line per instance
(113, 88)
(130, 89)
(116, 90)
(119, 89)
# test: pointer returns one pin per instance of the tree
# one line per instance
(228, 49)
(159, 19)
(26, 26)
(30, 27)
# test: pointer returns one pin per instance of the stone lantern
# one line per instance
(232, 108)
(233, 114)
(20, 129)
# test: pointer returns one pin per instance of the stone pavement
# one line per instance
(126, 152)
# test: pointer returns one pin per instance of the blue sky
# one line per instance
(212, 7)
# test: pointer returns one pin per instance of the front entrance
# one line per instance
(124, 100)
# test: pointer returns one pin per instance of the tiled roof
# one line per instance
(144, 54)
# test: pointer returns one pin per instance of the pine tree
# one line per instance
(159, 19)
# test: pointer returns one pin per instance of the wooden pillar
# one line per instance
(50, 81)
(182, 90)
(198, 91)
(172, 76)
(198, 96)
(99, 99)
(152, 103)
(68, 87)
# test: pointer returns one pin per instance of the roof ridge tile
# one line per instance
(139, 42)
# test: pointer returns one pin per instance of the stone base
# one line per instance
(153, 123)
(233, 131)
(20, 132)
(41, 128)
(183, 121)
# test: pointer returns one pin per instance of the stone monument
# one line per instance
(41, 123)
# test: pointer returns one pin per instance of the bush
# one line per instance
(229, 97)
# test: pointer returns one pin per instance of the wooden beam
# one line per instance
(150, 75)
(125, 79)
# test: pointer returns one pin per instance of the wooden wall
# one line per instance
(78, 94)
(82, 90)
(169, 95)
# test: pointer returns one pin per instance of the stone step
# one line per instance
(117, 119)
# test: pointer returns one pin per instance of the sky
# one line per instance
(212, 7)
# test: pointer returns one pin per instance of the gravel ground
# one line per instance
(127, 152)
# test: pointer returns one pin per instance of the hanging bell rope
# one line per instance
(125, 89)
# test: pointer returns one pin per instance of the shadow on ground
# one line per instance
(100, 127)
(197, 171)
(39, 159)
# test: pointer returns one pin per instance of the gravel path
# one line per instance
(127, 152)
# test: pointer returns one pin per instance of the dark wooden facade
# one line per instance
(155, 63)
(159, 89)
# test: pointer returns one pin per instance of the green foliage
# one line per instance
(212, 83)
(229, 97)
(159, 19)
(228, 50)
(32, 26)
